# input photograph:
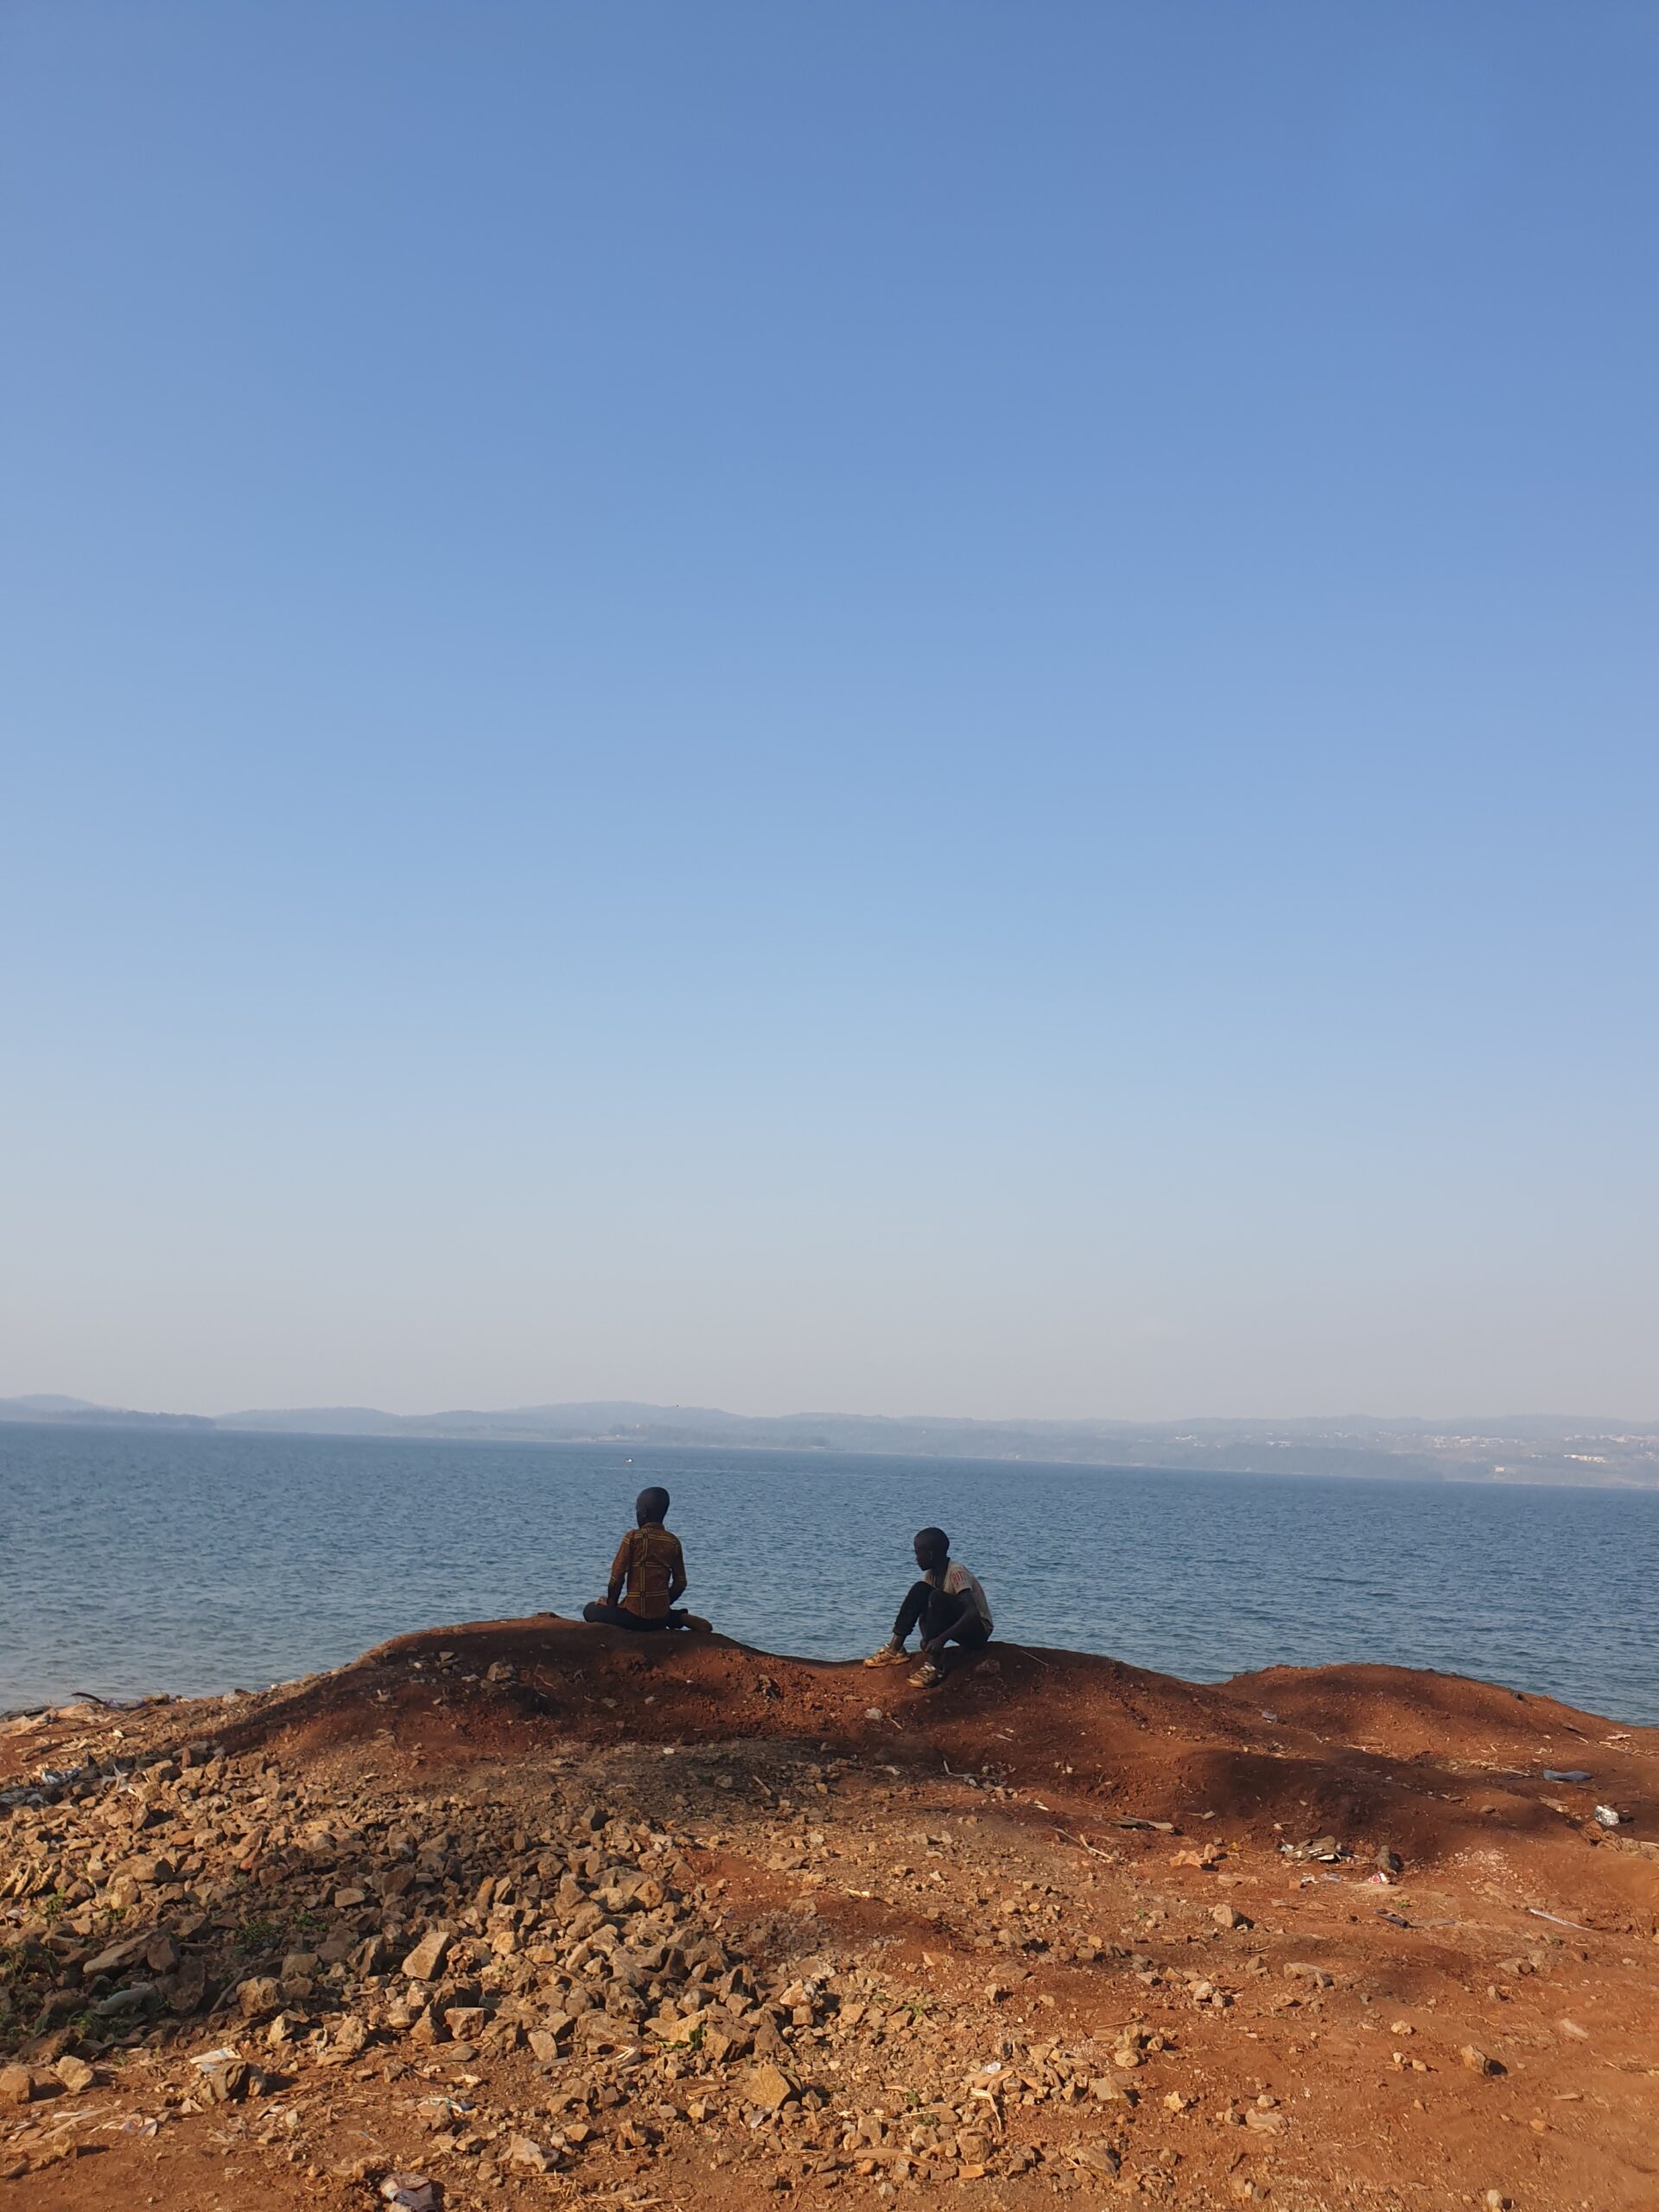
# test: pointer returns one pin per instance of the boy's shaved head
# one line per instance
(932, 1547)
(650, 1505)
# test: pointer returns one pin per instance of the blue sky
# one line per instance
(926, 707)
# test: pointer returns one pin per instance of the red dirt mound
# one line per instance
(1424, 1762)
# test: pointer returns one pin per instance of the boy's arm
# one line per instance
(677, 1576)
(969, 1608)
(619, 1570)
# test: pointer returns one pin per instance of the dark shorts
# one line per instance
(619, 1616)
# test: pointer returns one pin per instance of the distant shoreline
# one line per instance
(1377, 1465)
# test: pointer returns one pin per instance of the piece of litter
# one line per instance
(1606, 1817)
(1565, 1774)
(208, 2059)
(412, 2191)
(874, 1712)
(1538, 1914)
(1393, 1919)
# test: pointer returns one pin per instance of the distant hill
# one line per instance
(78, 1413)
(581, 1421)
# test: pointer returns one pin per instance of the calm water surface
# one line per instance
(167, 1560)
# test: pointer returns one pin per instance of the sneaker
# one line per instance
(927, 1676)
(890, 1654)
(696, 1621)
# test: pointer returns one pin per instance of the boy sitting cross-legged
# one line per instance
(948, 1605)
(650, 1566)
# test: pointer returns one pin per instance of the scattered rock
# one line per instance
(428, 1954)
(1101, 2159)
(769, 2087)
(259, 1994)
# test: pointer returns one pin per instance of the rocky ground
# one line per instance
(524, 1912)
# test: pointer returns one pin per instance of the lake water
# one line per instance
(168, 1560)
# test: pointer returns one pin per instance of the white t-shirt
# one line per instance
(962, 1581)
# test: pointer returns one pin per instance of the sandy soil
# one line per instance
(1047, 1931)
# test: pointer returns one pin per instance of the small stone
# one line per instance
(1477, 2061)
(162, 1954)
(146, 1873)
(117, 1956)
(768, 2087)
(16, 2084)
(185, 1990)
(369, 1957)
(1228, 1915)
(261, 1993)
(427, 1955)
(74, 2074)
(545, 2041)
(1102, 2157)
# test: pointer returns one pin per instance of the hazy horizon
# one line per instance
(858, 707)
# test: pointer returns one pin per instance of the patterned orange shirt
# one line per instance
(650, 1562)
